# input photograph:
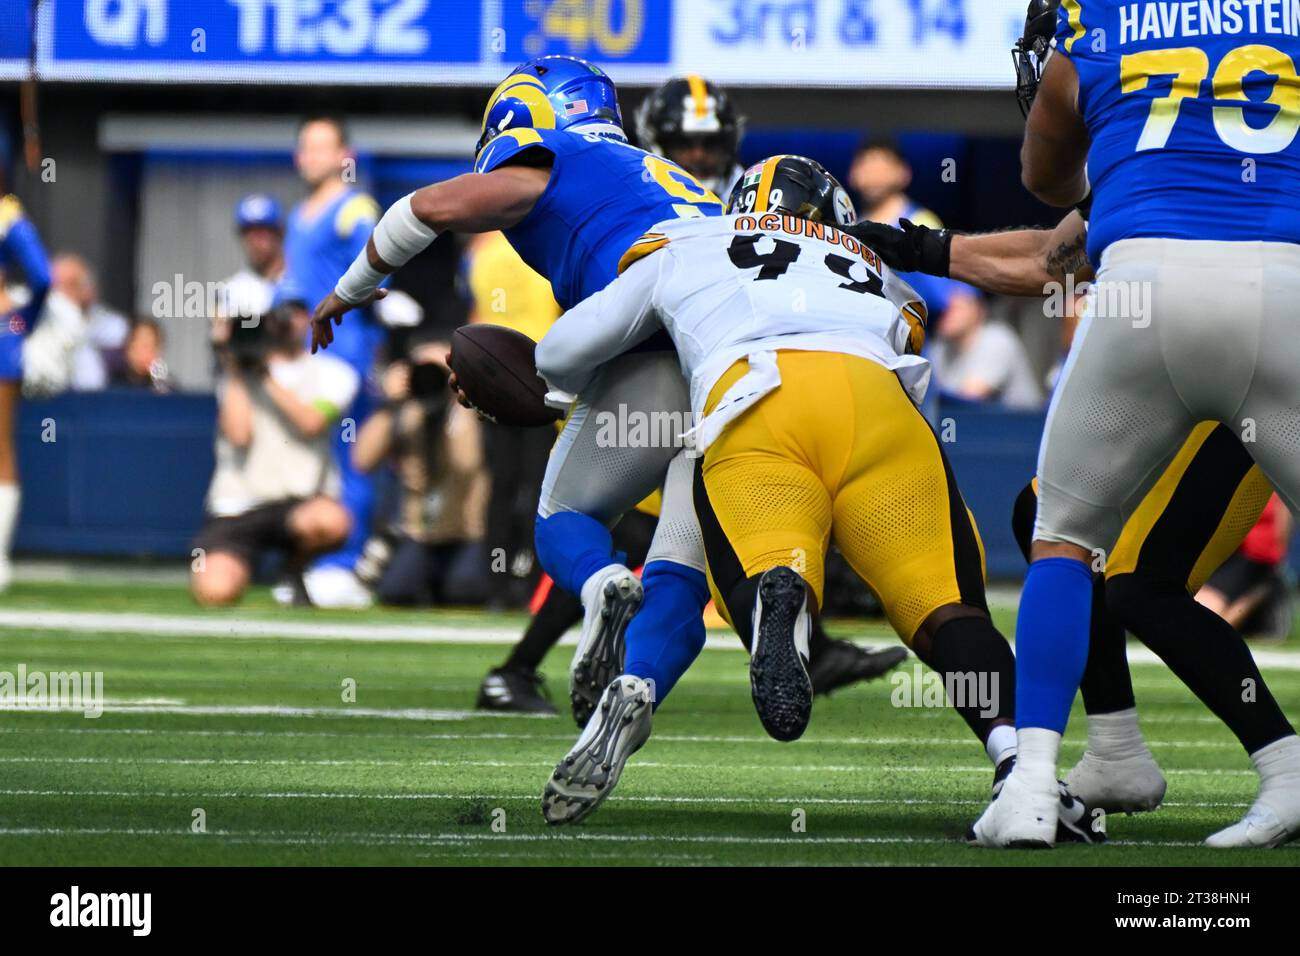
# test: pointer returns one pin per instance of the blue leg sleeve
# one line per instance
(667, 634)
(572, 547)
(1051, 641)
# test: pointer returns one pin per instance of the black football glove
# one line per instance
(911, 248)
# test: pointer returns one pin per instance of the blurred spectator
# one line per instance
(50, 349)
(275, 486)
(980, 361)
(142, 359)
(881, 175)
(506, 291)
(325, 233)
(434, 553)
(101, 353)
(260, 225)
(1250, 590)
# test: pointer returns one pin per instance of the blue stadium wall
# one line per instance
(121, 474)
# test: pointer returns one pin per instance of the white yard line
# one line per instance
(641, 764)
(505, 797)
(544, 738)
(461, 839)
(124, 622)
(221, 625)
(268, 710)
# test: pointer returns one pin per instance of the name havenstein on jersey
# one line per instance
(1140, 22)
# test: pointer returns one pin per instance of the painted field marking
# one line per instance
(128, 622)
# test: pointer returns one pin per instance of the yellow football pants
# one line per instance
(838, 449)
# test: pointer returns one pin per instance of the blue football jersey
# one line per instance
(20, 245)
(1193, 109)
(319, 249)
(602, 196)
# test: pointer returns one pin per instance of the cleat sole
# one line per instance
(778, 676)
(588, 774)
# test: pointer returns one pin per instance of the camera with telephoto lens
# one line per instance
(248, 342)
(429, 380)
(253, 338)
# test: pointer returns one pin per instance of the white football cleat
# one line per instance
(1021, 817)
(1262, 826)
(590, 771)
(335, 587)
(1131, 784)
(1274, 817)
(610, 598)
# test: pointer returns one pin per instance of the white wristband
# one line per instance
(360, 281)
(400, 236)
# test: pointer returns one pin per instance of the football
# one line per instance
(495, 368)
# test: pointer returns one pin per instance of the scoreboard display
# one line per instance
(833, 43)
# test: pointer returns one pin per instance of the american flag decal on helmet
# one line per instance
(575, 106)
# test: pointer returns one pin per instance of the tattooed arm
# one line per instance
(1023, 262)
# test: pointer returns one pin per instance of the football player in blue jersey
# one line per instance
(325, 233)
(554, 170)
(20, 246)
(1198, 514)
(1184, 129)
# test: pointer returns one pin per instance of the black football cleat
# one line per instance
(1076, 822)
(842, 663)
(514, 690)
(778, 669)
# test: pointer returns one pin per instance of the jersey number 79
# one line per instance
(1189, 67)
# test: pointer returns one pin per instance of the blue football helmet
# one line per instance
(553, 92)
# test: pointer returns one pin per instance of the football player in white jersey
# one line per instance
(693, 122)
(800, 349)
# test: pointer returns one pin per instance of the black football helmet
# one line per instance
(794, 185)
(691, 110)
(1030, 52)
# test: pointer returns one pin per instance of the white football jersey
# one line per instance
(743, 287)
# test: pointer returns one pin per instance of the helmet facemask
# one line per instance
(1031, 51)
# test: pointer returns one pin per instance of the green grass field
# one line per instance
(252, 734)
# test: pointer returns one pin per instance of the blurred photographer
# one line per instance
(275, 486)
(432, 552)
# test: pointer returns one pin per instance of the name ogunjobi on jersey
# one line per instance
(797, 226)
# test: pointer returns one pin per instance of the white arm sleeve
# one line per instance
(398, 237)
(601, 327)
